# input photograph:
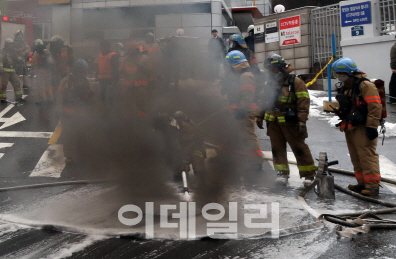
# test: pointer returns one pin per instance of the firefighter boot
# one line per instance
(356, 188)
(370, 192)
(308, 181)
(282, 178)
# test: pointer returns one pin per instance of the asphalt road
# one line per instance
(81, 221)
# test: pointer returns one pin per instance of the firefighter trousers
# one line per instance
(16, 84)
(280, 134)
(249, 139)
(364, 157)
(43, 86)
(141, 99)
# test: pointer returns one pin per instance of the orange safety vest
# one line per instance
(105, 69)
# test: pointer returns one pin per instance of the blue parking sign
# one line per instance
(357, 30)
(356, 14)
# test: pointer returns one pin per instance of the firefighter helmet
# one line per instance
(57, 38)
(80, 65)
(8, 41)
(19, 32)
(179, 32)
(238, 38)
(180, 116)
(235, 57)
(38, 42)
(345, 65)
(275, 61)
(251, 27)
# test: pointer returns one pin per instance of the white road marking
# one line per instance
(51, 163)
(16, 118)
(1, 155)
(387, 167)
(7, 109)
(4, 145)
(25, 134)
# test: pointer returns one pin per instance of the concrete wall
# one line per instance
(370, 51)
(61, 21)
(299, 54)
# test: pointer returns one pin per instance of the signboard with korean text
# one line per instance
(290, 31)
(259, 33)
(271, 32)
(357, 30)
(356, 14)
(54, 2)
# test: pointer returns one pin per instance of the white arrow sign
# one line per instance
(16, 118)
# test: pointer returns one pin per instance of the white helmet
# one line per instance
(279, 8)
(39, 42)
(179, 32)
(8, 41)
(251, 27)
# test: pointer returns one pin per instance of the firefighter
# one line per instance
(120, 51)
(73, 103)
(169, 133)
(241, 96)
(191, 143)
(108, 74)
(8, 61)
(42, 65)
(135, 74)
(153, 52)
(237, 42)
(63, 57)
(250, 39)
(286, 120)
(23, 50)
(360, 111)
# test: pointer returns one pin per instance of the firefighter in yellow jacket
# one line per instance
(153, 51)
(134, 72)
(8, 61)
(42, 65)
(241, 96)
(73, 104)
(286, 120)
(360, 111)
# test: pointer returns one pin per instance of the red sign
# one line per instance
(290, 30)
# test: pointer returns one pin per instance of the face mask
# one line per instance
(342, 78)
(279, 76)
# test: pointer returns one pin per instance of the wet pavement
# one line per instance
(80, 221)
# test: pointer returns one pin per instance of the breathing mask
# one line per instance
(342, 77)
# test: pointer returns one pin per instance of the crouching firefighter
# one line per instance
(241, 96)
(286, 120)
(360, 111)
(191, 144)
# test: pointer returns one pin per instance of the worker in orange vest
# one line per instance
(153, 52)
(134, 71)
(108, 74)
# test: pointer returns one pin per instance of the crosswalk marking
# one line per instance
(24, 134)
(51, 163)
(4, 145)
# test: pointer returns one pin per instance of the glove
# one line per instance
(240, 114)
(259, 122)
(371, 133)
(302, 127)
(185, 168)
